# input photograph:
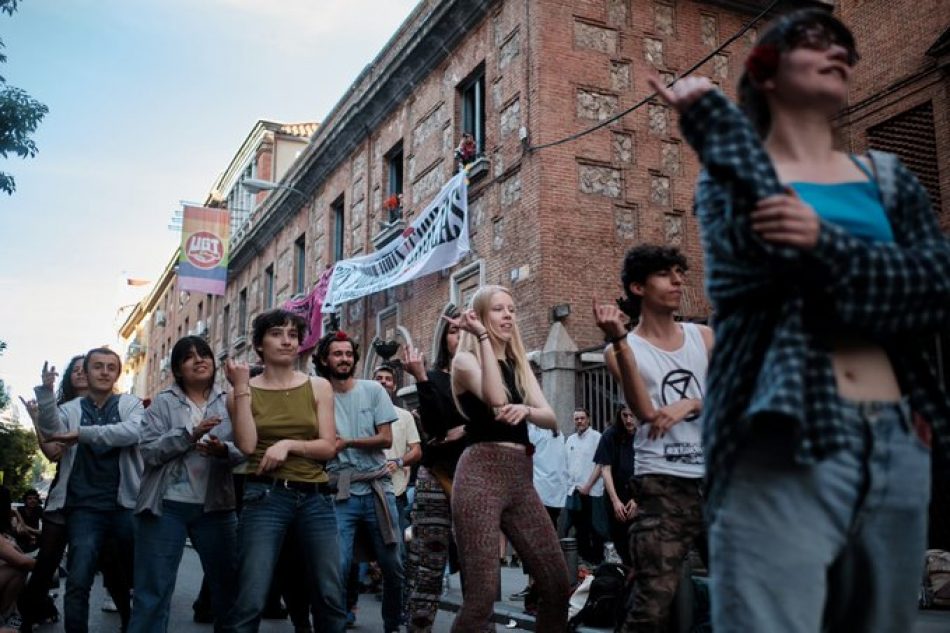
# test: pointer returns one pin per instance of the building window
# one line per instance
(187, 329)
(269, 287)
(339, 228)
(300, 265)
(912, 136)
(242, 313)
(393, 203)
(226, 327)
(465, 282)
(201, 310)
(473, 108)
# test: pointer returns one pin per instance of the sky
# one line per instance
(149, 100)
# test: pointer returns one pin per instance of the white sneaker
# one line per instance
(108, 605)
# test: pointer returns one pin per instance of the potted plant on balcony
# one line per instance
(393, 206)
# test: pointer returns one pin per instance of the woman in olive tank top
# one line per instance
(284, 422)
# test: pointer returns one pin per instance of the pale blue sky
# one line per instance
(149, 100)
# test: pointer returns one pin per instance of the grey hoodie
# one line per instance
(53, 420)
(166, 439)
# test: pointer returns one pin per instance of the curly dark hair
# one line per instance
(785, 33)
(323, 350)
(276, 318)
(641, 262)
(67, 391)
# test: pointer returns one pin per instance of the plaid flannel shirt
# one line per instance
(775, 305)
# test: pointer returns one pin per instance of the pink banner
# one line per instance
(311, 308)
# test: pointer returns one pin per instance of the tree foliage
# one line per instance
(20, 115)
(4, 392)
(18, 448)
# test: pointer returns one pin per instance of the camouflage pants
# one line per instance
(669, 519)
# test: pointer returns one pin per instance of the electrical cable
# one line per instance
(651, 96)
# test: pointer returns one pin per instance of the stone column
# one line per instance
(558, 361)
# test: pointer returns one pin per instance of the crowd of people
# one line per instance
(802, 428)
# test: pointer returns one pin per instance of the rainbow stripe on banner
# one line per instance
(203, 263)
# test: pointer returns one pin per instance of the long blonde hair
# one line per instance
(514, 349)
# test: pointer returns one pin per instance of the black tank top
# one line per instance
(482, 425)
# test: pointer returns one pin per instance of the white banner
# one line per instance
(436, 239)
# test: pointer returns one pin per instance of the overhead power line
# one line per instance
(651, 96)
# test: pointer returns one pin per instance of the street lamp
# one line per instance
(255, 185)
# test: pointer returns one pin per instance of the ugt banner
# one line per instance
(203, 264)
(436, 239)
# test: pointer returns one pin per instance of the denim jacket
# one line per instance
(775, 304)
(166, 439)
(53, 420)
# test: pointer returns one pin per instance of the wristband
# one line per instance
(243, 393)
(616, 339)
(482, 337)
(400, 462)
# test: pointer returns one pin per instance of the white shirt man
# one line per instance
(585, 489)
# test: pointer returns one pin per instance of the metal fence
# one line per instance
(597, 391)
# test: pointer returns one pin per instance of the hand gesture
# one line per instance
(785, 219)
(671, 414)
(238, 374)
(68, 438)
(512, 414)
(203, 427)
(469, 322)
(414, 362)
(31, 407)
(212, 447)
(684, 93)
(274, 457)
(49, 376)
(610, 320)
(620, 510)
(392, 466)
(631, 509)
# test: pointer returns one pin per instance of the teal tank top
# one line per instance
(854, 206)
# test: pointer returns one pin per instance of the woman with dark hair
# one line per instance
(826, 271)
(284, 422)
(187, 490)
(28, 520)
(14, 567)
(615, 456)
(444, 442)
(35, 605)
(492, 493)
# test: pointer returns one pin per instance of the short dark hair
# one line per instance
(385, 367)
(278, 317)
(180, 352)
(784, 34)
(641, 262)
(100, 350)
(323, 350)
(582, 410)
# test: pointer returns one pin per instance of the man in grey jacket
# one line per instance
(99, 475)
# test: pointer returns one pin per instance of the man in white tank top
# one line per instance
(661, 366)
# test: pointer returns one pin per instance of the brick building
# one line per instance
(167, 313)
(551, 224)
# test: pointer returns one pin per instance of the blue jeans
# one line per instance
(362, 509)
(159, 543)
(269, 511)
(87, 531)
(836, 544)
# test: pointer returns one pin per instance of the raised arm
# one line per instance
(239, 406)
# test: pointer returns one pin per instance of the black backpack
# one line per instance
(605, 601)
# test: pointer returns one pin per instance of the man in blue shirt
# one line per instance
(364, 415)
(99, 477)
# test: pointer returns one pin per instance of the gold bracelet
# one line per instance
(243, 393)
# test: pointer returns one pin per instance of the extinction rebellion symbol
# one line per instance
(203, 250)
(677, 385)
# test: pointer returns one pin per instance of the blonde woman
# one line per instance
(497, 394)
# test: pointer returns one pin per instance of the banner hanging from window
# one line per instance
(203, 263)
(436, 239)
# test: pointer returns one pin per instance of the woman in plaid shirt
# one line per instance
(826, 271)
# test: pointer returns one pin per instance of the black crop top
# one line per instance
(482, 425)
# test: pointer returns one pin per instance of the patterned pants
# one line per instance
(493, 493)
(668, 521)
(428, 551)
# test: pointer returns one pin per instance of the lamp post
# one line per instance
(255, 185)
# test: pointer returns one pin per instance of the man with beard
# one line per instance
(364, 415)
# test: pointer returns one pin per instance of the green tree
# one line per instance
(4, 392)
(20, 115)
(17, 449)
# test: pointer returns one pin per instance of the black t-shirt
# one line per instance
(482, 425)
(616, 450)
(438, 414)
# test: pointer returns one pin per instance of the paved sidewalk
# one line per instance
(514, 580)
